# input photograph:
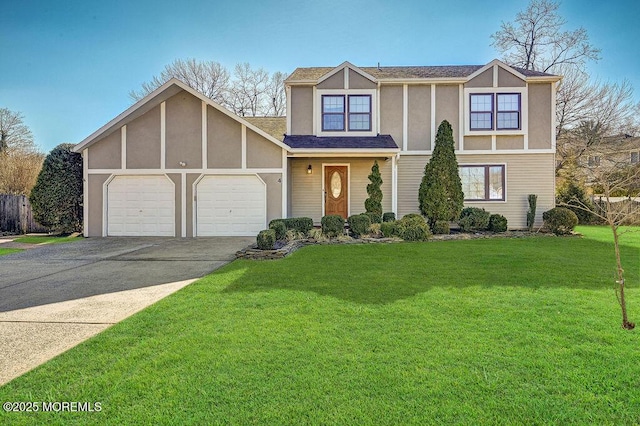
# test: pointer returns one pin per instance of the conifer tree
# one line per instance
(373, 204)
(440, 195)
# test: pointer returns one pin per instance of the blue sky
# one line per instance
(68, 66)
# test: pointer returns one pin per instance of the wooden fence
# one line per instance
(16, 215)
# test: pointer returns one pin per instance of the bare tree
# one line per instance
(536, 41)
(248, 93)
(209, 78)
(614, 177)
(19, 171)
(14, 134)
(276, 95)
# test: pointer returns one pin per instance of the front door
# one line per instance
(336, 198)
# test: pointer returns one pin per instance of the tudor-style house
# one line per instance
(178, 164)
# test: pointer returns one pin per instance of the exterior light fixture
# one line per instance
(309, 169)
(182, 164)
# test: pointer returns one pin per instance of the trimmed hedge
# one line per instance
(266, 239)
(389, 217)
(280, 228)
(359, 224)
(474, 219)
(300, 224)
(388, 228)
(413, 227)
(441, 227)
(332, 225)
(560, 220)
(497, 223)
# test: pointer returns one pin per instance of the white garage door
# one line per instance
(141, 206)
(230, 205)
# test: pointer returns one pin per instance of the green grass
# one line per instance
(48, 239)
(519, 331)
(4, 251)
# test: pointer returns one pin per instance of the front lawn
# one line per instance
(46, 239)
(508, 331)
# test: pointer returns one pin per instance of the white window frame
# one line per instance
(495, 91)
(342, 92)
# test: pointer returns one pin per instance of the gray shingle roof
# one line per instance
(444, 71)
(350, 142)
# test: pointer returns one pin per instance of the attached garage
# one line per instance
(140, 206)
(230, 205)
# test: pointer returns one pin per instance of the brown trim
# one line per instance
(343, 113)
(471, 95)
(519, 112)
(349, 113)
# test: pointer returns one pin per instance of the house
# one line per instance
(178, 164)
(619, 150)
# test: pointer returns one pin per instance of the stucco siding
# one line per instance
(143, 141)
(336, 81)
(447, 108)
(419, 116)
(301, 110)
(540, 121)
(176, 178)
(510, 142)
(484, 79)
(506, 79)
(224, 141)
(183, 131)
(106, 153)
(356, 81)
(306, 189)
(274, 195)
(477, 143)
(525, 174)
(94, 192)
(262, 153)
(391, 112)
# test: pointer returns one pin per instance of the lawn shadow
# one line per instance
(380, 274)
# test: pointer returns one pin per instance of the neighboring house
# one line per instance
(617, 150)
(176, 163)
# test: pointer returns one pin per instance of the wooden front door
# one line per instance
(336, 198)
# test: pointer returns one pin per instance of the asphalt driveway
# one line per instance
(55, 296)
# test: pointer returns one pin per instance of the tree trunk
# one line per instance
(626, 324)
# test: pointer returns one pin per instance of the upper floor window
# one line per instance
(483, 183)
(635, 157)
(507, 108)
(593, 160)
(354, 114)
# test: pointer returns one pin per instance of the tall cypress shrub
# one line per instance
(56, 198)
(373, 204)
(440, 195)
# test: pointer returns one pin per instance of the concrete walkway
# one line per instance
(55, 296)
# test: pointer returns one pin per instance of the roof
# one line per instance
(162, 93)
(344, 142)
(274, 126)
(407, 72)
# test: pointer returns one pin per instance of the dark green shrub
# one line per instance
(332, 225)
(300, 224)
(531, 213)
(473, 219)
(389, 217)
(266, 239)
(374, 217)
(359, 224)
(412, 227)
(441, 227)
(56, 198)
(497, 223)
(560, 220)
(388, 229)
(373, 204)
(571, 195)
(440, 195)
(280, 228)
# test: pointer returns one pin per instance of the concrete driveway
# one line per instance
(55, 296)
